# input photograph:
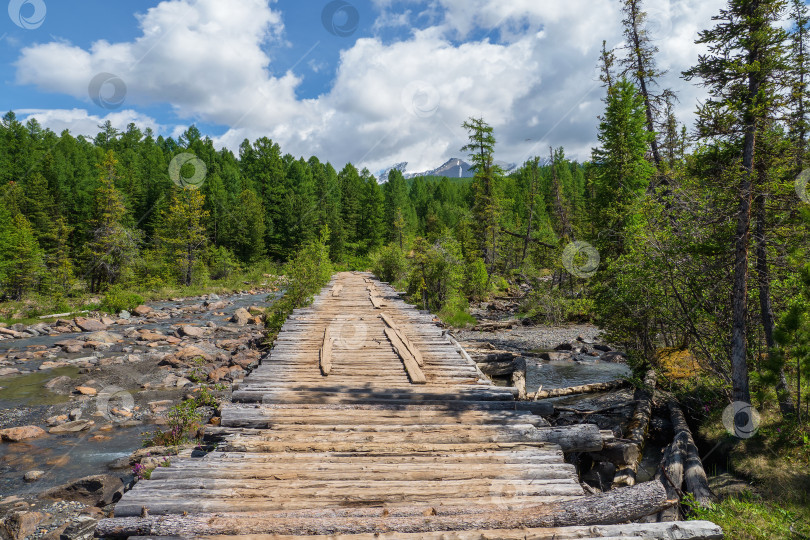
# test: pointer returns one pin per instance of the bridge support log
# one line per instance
(616, 506)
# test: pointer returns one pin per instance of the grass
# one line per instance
(773, 465)
(749, 516)
(28, 310)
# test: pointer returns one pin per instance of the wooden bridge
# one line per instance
(367, 421)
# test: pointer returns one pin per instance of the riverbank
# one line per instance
(80, 395)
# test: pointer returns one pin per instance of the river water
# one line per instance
(24, 400)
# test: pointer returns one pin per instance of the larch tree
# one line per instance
(486, 205)
(182, 232)
(112, 246)
(641, 66)
(742, 71)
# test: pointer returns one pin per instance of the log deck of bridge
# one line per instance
(366, 419)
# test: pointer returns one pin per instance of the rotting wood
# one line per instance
(519, 378)
(616, 506)
(637, 428)
(415, 373)
(325, 354)
(670, 473)
(684, 530)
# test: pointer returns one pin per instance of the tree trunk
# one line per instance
(765, 309)
(739, 302)
(694, 476)
(642, 83)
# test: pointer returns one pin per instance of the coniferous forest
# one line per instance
(674, 239)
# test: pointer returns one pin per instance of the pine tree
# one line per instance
(742, 72)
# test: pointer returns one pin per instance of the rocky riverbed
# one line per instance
(79, 395)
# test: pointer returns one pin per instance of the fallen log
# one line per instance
(694, 475)
(498, 369)
(683, 530)
(583, 389)
(670, 473)
(616, 506)
(637, 429)
(617, 452)
(494, 326)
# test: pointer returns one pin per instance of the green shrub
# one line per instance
(389, 264)
(476, 280)
(306, 274)
(117, 300)
(221, 262)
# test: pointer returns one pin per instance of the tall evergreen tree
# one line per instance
(112, 246)
(486, 205)
(182, 232)
(742, 71)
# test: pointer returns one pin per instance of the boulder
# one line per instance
(99, 490)
(105, 337)
(255, 310)
(86, 391)
(58, 381)
(8, 372)
(192, 331)
(555, 356)
(19, 525)
(12, 333)
(72, 427)
(56, 420)
(564, 347)
(17, 434)
(142, 311)
(33, 476)
(126, 315)
(218, 374)
(614, 357)
(90, 325)
(603, 348)
(241, 317)
(149, 335)
(191, 352)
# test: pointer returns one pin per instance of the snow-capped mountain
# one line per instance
(453, 168)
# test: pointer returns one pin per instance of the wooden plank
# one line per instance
(415, 373)
(325, 354)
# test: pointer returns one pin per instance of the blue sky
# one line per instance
(393, 87)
